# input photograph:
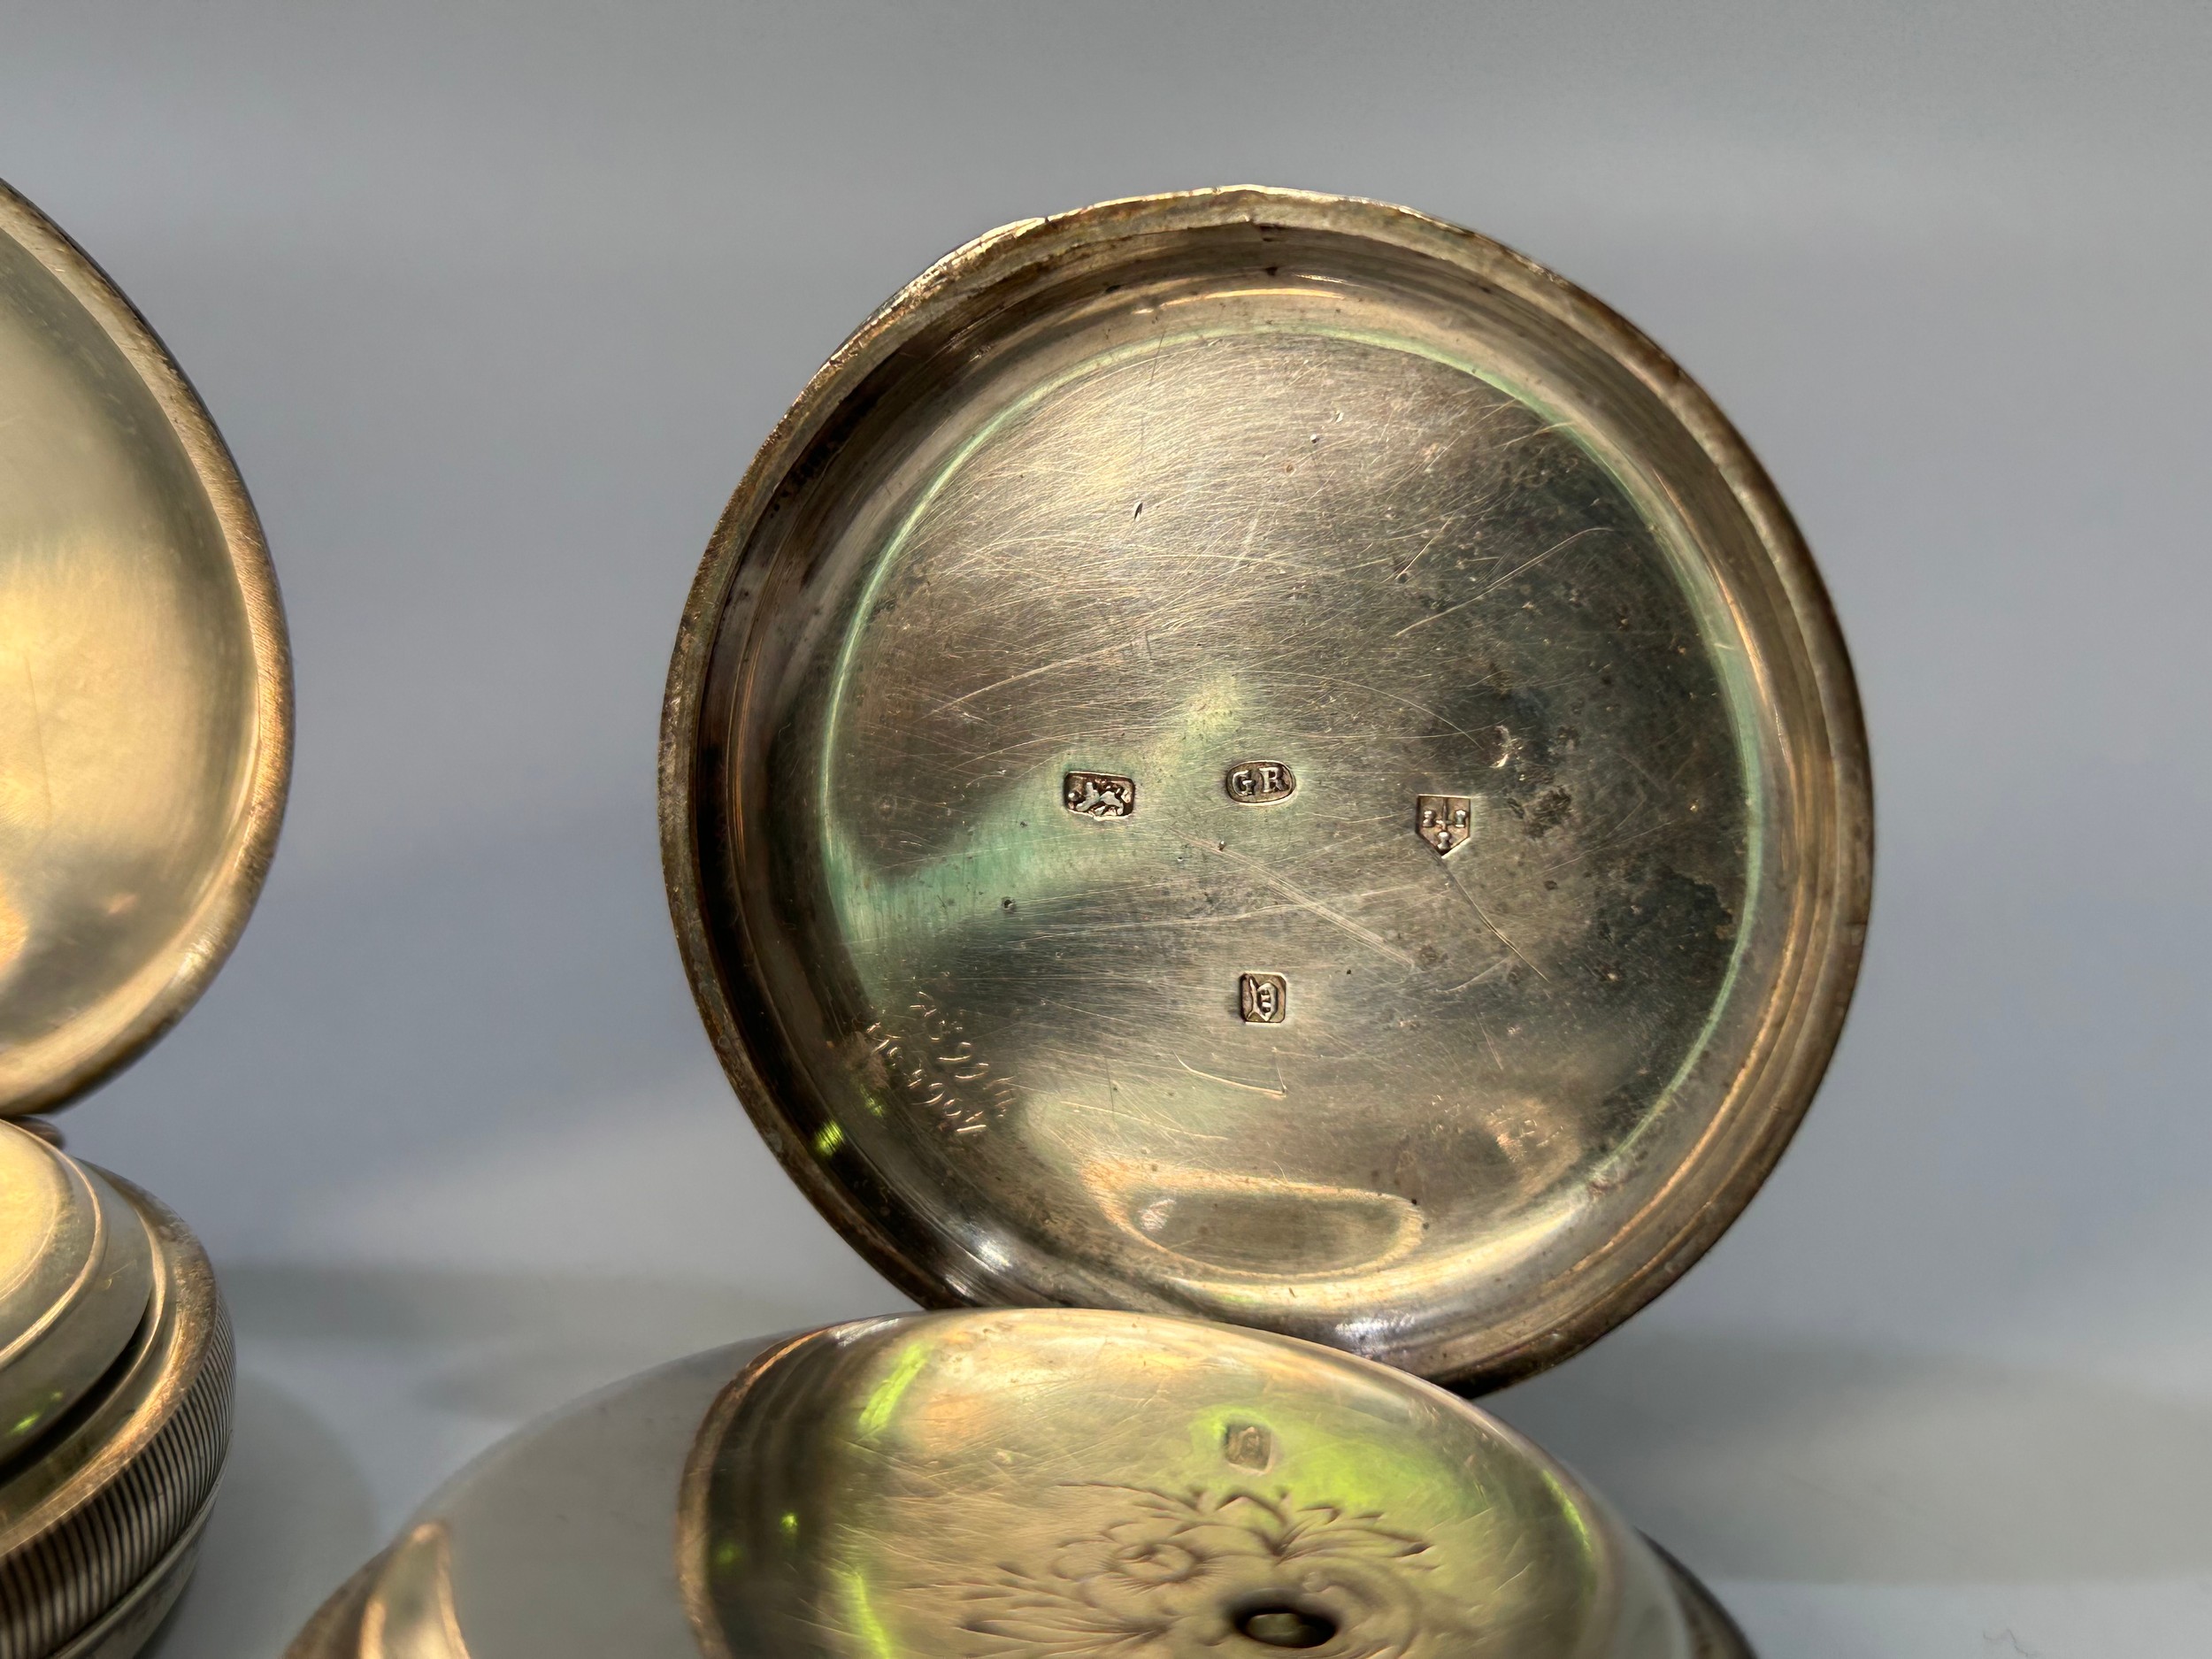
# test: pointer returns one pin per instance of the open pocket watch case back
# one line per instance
(1266, 810)
(145, 714)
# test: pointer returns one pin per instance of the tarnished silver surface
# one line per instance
(1483, 1003)
(145, 691)
(145, 730)
(1046, 1483)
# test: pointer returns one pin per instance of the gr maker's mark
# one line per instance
(1260, 782)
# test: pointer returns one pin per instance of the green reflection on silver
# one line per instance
(1069, 1483)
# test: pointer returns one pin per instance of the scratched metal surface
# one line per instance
(1033, 1484)
(881, 1488)
(1261, 771)
(493, 302)
(144, 689)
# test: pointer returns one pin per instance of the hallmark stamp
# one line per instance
(1099, 795)
(1263, 998)
(1442, 819)
(1248, 1445)
(1260, 782)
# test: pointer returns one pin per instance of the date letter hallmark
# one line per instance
(939, 1071)
(1260, 782)
(1099, 795)
(1442, 819)
(1263, 999)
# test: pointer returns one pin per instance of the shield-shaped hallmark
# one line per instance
(1442, 819)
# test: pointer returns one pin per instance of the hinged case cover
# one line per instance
(145, 718)
(1260, 755)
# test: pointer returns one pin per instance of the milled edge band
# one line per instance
(122, 1516)
(130, 1623)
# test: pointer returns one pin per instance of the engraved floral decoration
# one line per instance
(1185, 1572)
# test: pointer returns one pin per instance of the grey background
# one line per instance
(494, 302)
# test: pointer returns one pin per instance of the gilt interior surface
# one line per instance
(1218, 527)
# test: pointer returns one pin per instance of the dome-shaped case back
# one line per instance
(1259, 754)
(145, 694)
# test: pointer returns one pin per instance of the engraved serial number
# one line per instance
(941, 1070)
